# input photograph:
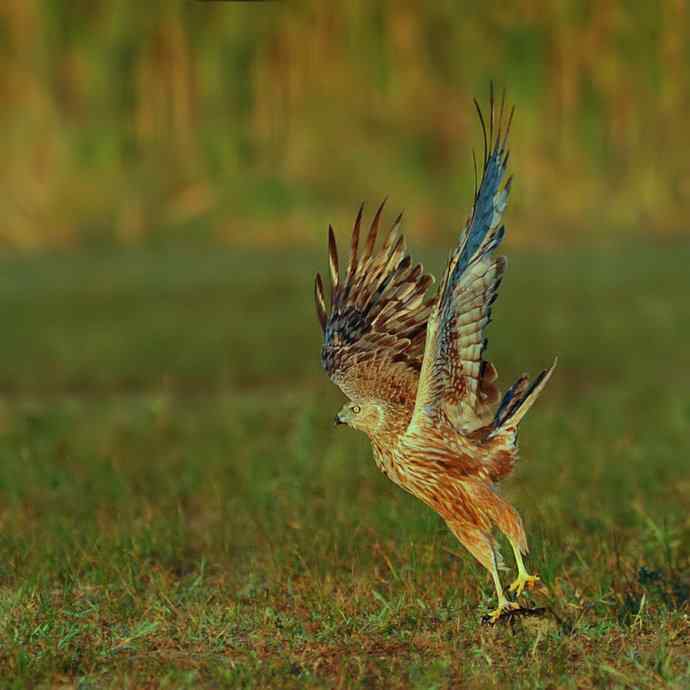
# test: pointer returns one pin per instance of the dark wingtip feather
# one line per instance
(491, 112)
(379, 211)
(500, 117)
(358, 220)
(476, 179)
(320, 301)
(483, 124)
(333, 258)
(373, 230)
(355, 242)
(508, 125)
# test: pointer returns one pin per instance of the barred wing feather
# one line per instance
(375, 326)
(456, 382)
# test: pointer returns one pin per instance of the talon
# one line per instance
(504, 608)
(523, 580)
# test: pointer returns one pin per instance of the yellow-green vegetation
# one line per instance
(134, 121)
(177, 510)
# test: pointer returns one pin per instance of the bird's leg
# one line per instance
(504, 604)
(481, 545)
(524, 579)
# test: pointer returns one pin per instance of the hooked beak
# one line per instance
(338, 420)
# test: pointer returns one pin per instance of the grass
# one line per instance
(177, 510)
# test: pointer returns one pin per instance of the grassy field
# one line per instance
(177, 510)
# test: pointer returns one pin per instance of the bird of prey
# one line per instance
(414, 370)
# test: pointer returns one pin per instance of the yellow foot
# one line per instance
(504, 608)
(523, 580)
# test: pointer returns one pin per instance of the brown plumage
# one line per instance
(414, 370)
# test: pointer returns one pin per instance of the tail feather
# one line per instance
(519, 398)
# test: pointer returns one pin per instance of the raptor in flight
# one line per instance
(414, 367)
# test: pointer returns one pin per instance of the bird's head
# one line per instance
(364, 416)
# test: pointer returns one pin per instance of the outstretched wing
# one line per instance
(456, 382)
(375, 328)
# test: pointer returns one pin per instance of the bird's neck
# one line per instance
(394, 423)
(385, 439)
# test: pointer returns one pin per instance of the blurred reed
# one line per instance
(260, 122)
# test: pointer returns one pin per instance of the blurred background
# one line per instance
(259, 122)
(173, 496)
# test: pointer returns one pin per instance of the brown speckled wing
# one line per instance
(456, 382)
(375, 326)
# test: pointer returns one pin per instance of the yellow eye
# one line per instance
(356, 409)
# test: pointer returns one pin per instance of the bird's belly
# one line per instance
(426, 476)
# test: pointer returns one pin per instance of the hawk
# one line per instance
(414, 370)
